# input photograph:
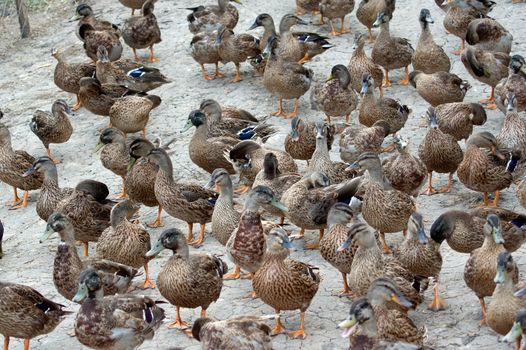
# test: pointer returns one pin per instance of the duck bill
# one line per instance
(279, 205)
(29, 172)
(497, 153)
(348, 326)
(82, 293)
(422, 238)
(287, 243)
(237, 2)
(329, 78)
(377, 23)
(187, 126)
(365, 88)
(500, 277)
(514, 333)
(156, 249)
(49, 231)
(295, 135)
(253, 26)
(98, 146)
(353, 167)
(210, 184)
(429, 19)
(345, 245)
(401, 300)
(131, 163)
(497, 235)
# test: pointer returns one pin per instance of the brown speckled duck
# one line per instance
(439, 87)
(114, 155)
(131, 113)
(133, 4)
(211, 17)
(236, 48)
(300, 142)
(429, 57)
(489, 35)
(361, 64)
(336, 9)
(458, 118)
(98, 98)
(93, 38)
(515, 82)
(285, 284)
(368, 11)
(140, 32)
(357, 140)
(204, 50)
(513, 132)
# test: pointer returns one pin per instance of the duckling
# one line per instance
(514, 82)
(187, 280)
(339, 216)
(246, 245)
(336, 9)
(487, 67)
(489, 35)
(125, 242)
(54, 127)
(357, 140)
(236, 48)
(386, 210)
(458, 118)
(513, 132)
(373, 109)
(67, 75)
(131, 114)
(97, 98)
(113, 322)
(68, 266)
(84, 14)
(391, 52)
(114, 156)
(360, 64)
(204, 50)
(241, 332)
(422, 256)
(300, 142)
(50, 192)
(26, 313)
(294, 284)
(404, 171)
(479, 171)
(140, 32)
(335, 97)
(429, 57)
(480, 269)
(368, 11)
(440, 152)
(13, 164)
(211, 17)
(439, 87)
(133, 4)
(94, 38)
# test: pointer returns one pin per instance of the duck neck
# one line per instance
(67, 236)
(222, 5)
(359, 52)
(384, 31)
(166, 169)
(96, 294)
(118, 215)
(490, 245)
(276, 255)
(251, 205)
(226, 192)
(182, 250)
(269, 29)
(369, 328)
(376, 174)
(425, 35)
(50, 177)
(322, 149)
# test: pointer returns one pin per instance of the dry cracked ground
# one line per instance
(26, 84)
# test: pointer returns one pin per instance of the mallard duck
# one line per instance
(236, 48)
(439, 87)
(294, 284)
(88, 211)
(339, 216)
(504, 304)
(225, 217)
(241, 332)
(68, 265)
(513, 132)
(458, 118)
(186, 202)
(126, 242)
(459, 14)
(131, 113)
(518, 328)
(336, 9)
(246, 246)
(50, 192)
(421, 256)
(300, 142)
(211, 17)
(285, 79)
(321, 160)
(368, 11)
(515, 82)
(13, 164)
(391, 52)
(480, 269)
(186, 280)
(369, 263)
(114, 155)
(429, 57)
(93, 38)
(386, 210)
(440, 152)
(54, 127)
(481, 172)
(140, 32)
(489, 35)
(289, 48)
(127, 73)
(404, 171)
(226, 119)
(98, 98)
(357, 140)
(204, 50)
(133, 4)
(272, 177)
(113, 322)
(361, 64)
(488, 67)
(67, 75)
(309, 200)
(248, 156)
(26, 313)
(84, 14)
(335, 97)
(373, 109)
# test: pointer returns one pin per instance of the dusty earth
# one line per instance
(26, 84)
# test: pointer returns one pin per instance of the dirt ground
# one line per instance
(26, 84)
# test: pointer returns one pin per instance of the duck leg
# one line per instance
(282, 221)
(48, 151)
(347, 117)
(328, 119)
(148, 283)
(315, 245)
(484, 314)
(305, 58)
(26, 344)
(218, 73)
(490, 102)
(201, 237)
(385, 246)
(485, 202)
(298, 11)
(300, 333)
(24, 200)
(242, 189)
(205, 73)
(237, 78)
(137, 58)
(333, 30)
(190, 236)
(429, 190)
(437, 304)
(342, 29)
(278, 328)
(16, 199)
(405, 81)
(77, 104)
(152, 56)
(6, 343)
(346, 290)
(447, 188)
(459, 51)
(295, 111)
(157, 222)
(86, 248)
(178, 323)
(381, 90)
(234, 275)
(280, 109)
(371, 39)
(386, 82)
(496, 199)
(123, 191)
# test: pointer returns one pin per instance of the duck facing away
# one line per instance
(140, 32)
(429, 57)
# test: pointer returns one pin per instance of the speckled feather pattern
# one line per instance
(52, 128)
(336, 8)
(306, 144)
(285, 79)
(513, 132)
(357, 140)
(140, 183)
(454, 119)
(494, 64)
(140, 32)
(405, 172)
(95, 38)
(394, 325)
(246, 246)
(49, 197)
(421, 260)
(67, 75)
(457, 20)
(360, 64)
(207, 151)
(440, 152)
(286, 162)
(224, 219)
(373, 109)
(391, 52)
(238, 48)
(331, 242)
(440, 87)
(115, 157)
(13, 164)
(204, 49)
(278, 185)
(429, 57)
(334, 100)
(131, 113)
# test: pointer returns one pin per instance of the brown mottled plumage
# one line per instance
(133, 4)
(211, 17)
(357, 140)
(204, 50)
(140, 32)
(458, 118)
(98, 98)
(336, 9)
(84, 13)
(368, 10)
(515, 82)
(94, 38)
(131, 113)
(114, 155)
(361, 64)
(429, 57)
(512, 135)
(236, 48)
(300, 142)
(489, 35)
(285, 284)
(439, 87)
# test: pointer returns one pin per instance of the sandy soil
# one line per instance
(26, 84)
